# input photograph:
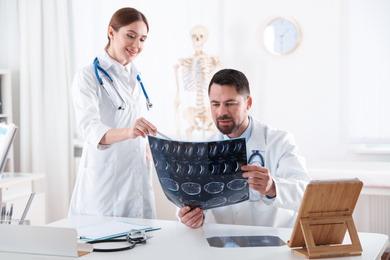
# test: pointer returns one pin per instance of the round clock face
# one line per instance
(281, 36)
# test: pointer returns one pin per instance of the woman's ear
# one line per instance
(110, 32)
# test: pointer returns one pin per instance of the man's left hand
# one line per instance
(259, 179)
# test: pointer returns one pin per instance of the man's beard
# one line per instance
(226, 130)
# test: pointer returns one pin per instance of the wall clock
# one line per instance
(281, 36)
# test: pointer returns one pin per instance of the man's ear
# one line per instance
(249, 103)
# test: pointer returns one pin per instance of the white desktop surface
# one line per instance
(176, 241)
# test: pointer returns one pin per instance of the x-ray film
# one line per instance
(201, 174)
(245, 241)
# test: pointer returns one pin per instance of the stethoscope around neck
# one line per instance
(256, 153)
(149, 105)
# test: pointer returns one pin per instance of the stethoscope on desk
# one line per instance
(149, 105)
(130, 238)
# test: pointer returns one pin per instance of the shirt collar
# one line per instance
(247, 133)
(107, 62)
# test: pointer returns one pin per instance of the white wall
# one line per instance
(298, 92)
(305, 92)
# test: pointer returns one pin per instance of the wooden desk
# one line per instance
(176, 241)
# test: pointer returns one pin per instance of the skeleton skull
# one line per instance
(199, 35)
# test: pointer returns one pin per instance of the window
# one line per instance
(368, 74)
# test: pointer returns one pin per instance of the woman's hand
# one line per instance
(142, 127)
(148, 155)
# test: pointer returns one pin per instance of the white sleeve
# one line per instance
(86, 105)
(291, 177)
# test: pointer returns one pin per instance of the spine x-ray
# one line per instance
(201, 174)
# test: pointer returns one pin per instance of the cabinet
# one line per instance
(16, 188)
(6, 111)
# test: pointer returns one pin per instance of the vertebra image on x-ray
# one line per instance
(201, 174)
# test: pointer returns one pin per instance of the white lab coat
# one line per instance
(113, 180)
(288, 171)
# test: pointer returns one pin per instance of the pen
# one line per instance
(2, 214)
(26, 208)
(159, 133)
(10, 213)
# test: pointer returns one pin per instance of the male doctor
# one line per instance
(277, 187)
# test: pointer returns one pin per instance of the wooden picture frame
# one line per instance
(324, 217)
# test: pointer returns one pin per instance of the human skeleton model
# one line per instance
(197, 71)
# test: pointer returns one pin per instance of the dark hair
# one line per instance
(232, 77)
(125, 16)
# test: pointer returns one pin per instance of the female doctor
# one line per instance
(114, 177)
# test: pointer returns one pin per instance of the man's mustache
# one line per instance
(224, 117)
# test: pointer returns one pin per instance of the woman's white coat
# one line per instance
(113, 180)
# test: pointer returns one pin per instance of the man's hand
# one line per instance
(259, 179)
(191, 218)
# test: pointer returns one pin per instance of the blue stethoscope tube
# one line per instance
(122, 107)
(149, 105)
(256, 153)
